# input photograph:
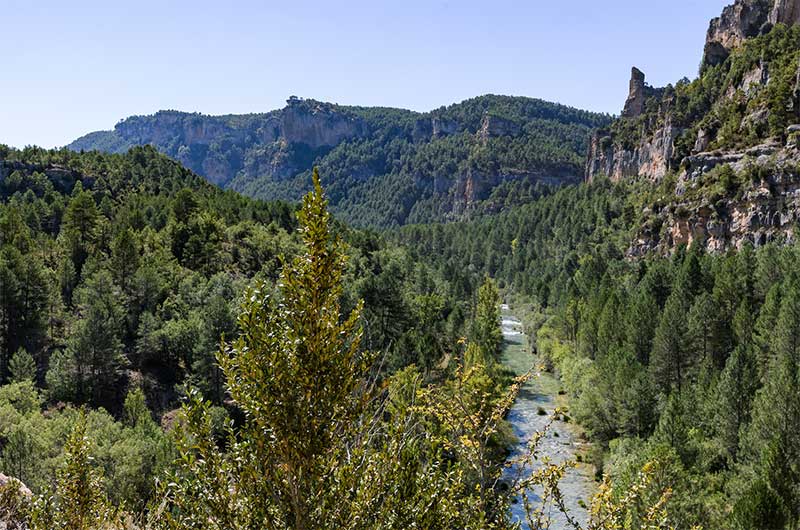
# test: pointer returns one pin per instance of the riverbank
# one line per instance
(536, 401)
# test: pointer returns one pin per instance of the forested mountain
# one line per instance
(687, 360)
(332, 377)
(383, 167)
(722, 146)
(119, 274)
(328, 378)
(663, 289)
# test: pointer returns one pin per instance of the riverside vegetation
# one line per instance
(317, 425)
(177, 356)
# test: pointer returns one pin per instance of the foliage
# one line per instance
(392, 169)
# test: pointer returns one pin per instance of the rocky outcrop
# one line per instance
(722, 199)
(494, 126)
(637, 95)
(745, 19)
(650, 159)
(650, 156)
(63, 179)
(217, 146)
(317, 125)
(739, 21)
(17, 499)
(392, 158)
(470, 190)
(165, 126)
(785, 12)
(763, 204)
(444, 127)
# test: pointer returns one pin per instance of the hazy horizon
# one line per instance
(74, 69)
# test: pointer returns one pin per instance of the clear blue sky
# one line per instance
(73, 67)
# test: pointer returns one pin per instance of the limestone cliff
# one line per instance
(722, 148)
(650, 154)
(745, 19)
(382, 166)
(758, 202)
(739, 21)
(642, 144)
(216, 146)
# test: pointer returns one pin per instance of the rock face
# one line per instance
(739, 21)
(215, 146)
(723, 198)
(742, 20)
(316, 125)
(383, 166)
(493, 126)
(760, 211)
(651, 155)
(785, 12)
(637, 95)
(651, 159)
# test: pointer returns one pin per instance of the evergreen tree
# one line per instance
(702, 325)
(671, 359)
(764, 330)
(124, 259)
(610, 334)
(773, 446)
(22, 367)
(295, 372)
(642, 313)
(786, 338)
(735, 390)
(727, 294)
(80, 223)
(95, 346)
(23, 304)
(486, 332)
(79, 501)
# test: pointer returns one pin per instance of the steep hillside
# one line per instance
(383, 167)
(723, 148)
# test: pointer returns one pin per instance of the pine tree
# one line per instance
(24, 295)
(773, 447)
(486, 332)
(642, 312)
(735, 390)
(22, 367)
(772, 444)
(701, 326)
(671, 359)
(95, 346)
(764, 330)
(727, 295)
(610, 334)
(786, 338)
(80, 223)
(124, 259)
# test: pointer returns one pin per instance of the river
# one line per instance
(561, 443)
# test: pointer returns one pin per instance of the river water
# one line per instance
(561, 443)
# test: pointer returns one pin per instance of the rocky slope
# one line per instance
(721, 150)
(383, 167)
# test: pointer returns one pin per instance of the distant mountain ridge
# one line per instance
(382, 166)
